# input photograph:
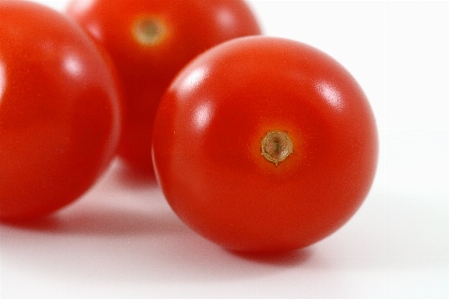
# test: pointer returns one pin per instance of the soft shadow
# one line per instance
(135, 246)
(131, 178)
(42, 224)
(105, 221)
(291, 258)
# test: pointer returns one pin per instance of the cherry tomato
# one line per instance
(150, 41)
(60, 115)
(265, 144)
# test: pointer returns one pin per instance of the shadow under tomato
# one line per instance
(132, 178)
(107, 244)
(291, 258)
(41, 224)
(105, 221)
(118, 223)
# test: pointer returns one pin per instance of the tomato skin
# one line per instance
(189, 27)
(60, 116)
(207, 145)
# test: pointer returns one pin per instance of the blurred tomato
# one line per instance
(150, 41)
(59, 111)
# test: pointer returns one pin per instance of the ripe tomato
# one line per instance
(150, 41)
(59, 111)
(265, 144)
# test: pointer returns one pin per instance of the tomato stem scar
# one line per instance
(149, 30)
(276, 147)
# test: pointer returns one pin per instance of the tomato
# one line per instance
(150, 41)
(265, 144)
(60, 116)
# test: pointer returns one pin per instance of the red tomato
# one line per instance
(265, 144)
(59, 111)
(150, 41)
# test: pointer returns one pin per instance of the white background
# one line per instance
(121, 240)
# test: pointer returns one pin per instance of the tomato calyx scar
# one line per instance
(276, 147)
(149, 31)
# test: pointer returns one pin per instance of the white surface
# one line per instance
(121, 240)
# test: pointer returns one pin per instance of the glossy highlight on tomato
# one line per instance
(265, 144)
(60, 115)
(150, 41)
